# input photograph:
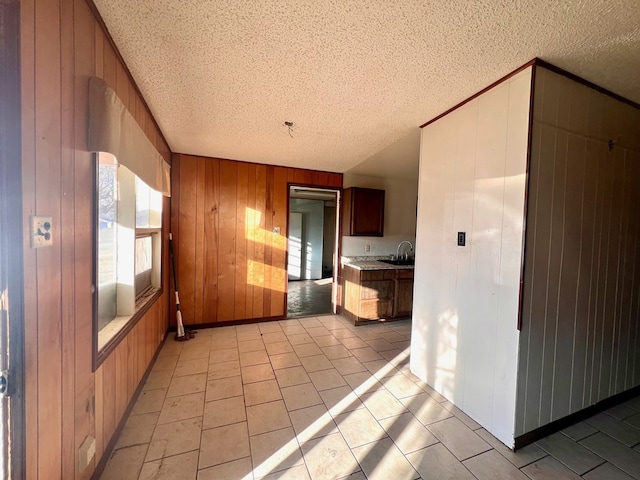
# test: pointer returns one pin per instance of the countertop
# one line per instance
(375, 265)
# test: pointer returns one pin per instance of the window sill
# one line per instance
(112, 334)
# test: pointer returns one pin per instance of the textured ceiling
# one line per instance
(356, 77)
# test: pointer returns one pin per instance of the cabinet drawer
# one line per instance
(406, 273)
(375, 309)
(377, 275)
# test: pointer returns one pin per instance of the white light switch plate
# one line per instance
(41, 231)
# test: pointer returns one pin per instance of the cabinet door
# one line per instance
(404, 297)
(363, 212)
(382, 289)
(375, 309)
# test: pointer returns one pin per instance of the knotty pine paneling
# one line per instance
(231, 265)
(581, 285)
(62, 46)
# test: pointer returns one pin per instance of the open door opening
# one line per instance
(312, 254)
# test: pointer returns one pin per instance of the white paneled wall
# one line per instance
(581, 296)
(472, 179)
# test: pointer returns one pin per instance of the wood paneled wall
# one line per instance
(231, 265)
(581, 297)
(62, 46)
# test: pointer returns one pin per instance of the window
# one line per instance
(128, 250)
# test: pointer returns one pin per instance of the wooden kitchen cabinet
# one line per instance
(363, 212)
(370, 295)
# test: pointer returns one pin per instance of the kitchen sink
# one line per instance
(409, 261)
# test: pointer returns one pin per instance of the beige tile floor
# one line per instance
(316, 398)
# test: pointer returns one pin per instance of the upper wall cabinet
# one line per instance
(363, 213)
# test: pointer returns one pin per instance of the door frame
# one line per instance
(335, 277)
(11, 233)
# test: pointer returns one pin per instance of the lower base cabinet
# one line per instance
(370, 295)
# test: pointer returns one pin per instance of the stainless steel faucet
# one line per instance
(406, 255)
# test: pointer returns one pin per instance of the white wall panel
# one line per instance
(472, 176)
(582, 265)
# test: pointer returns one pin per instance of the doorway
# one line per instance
(312, 257)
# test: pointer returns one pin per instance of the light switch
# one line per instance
(41, 231)
(276, 230)
(462, 239)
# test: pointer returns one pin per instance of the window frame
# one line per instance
(144, 301)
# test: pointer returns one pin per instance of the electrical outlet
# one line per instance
(276, 230)
(41, 231)
(367, 248)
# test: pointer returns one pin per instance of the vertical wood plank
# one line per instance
(175, 228)
(299, 176)
(278, 243)
(626, 261)
(554, 274)
(98, 50)
(67, 223)
(199, 240)
(323, 179)
(133, 100)
(187, 239)
(603, 209)
(99, 412)
(110, 65)
(122, 84)
(335, 180)
(211, 244)
(587, 233)
(268, 227)
(593, 156)
(48, 141)
(120, 355)
(309, 177)
(241, 241)
(131, 371)
(610, 307)
(227, 236)
(259, 241)
(250, 236)
(569, 267)
(145, 330)
(539, 265)
(109, 398)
